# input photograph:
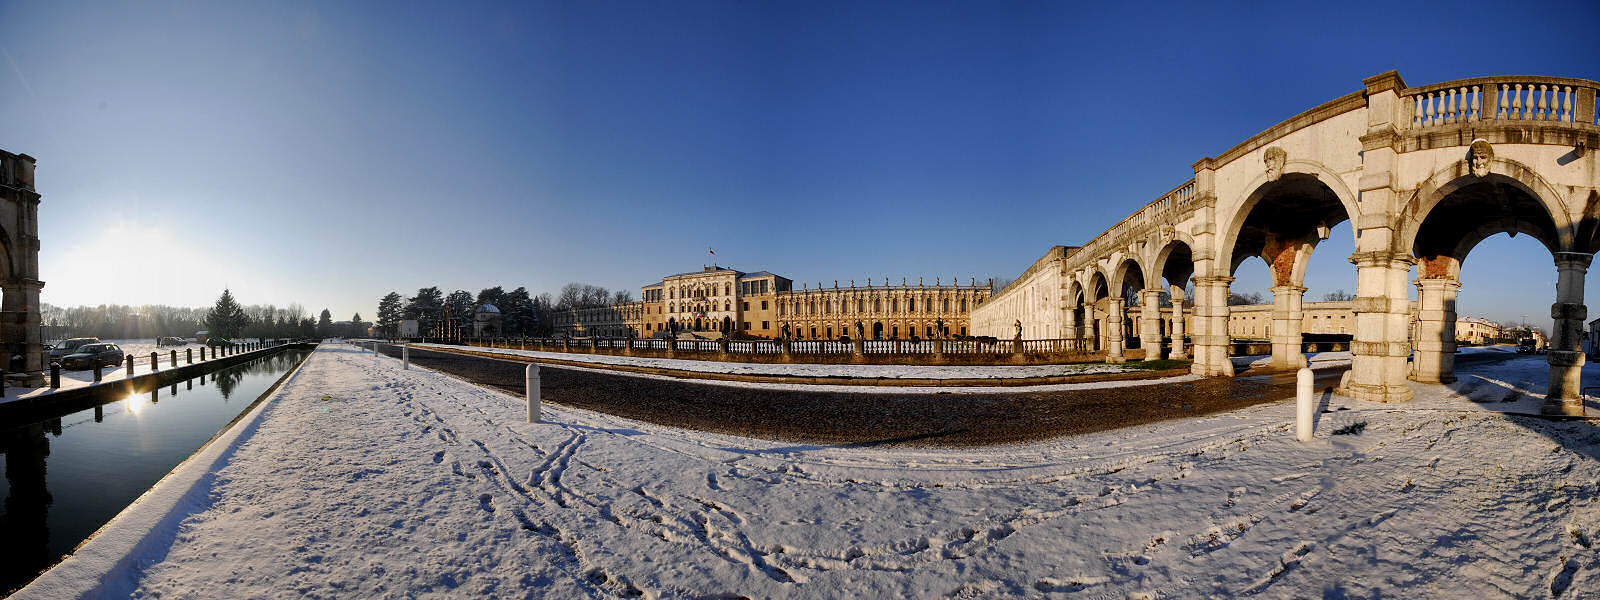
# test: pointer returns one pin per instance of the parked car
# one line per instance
(88, 355)
(217, 342)
(1526, 346)
(64, 347)
(171, 341)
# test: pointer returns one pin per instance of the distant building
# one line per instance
(718, 302)
(410, 329)
(486, 321)
(1477, 331)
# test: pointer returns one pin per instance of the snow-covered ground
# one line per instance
(818, 370)
(359, 479)
(1316, 360)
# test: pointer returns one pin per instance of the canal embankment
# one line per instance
(68, 474)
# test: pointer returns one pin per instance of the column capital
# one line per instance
(1573, 260)
(1439, 283)
(1213, 280)
(1382, 259)
(1288, 289)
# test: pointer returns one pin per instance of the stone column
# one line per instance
(1563, 395)
(1113, 330)
(1069, 325)
(1211, 327)
(1287, 352)
(1435, 358)
(1178, 351)
(1381, 342)
(1150, 323)
(19, 303)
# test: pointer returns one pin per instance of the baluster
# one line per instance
(1477, 103)
(1566, 105)
(1544, 113)
(1429, 120)
(1504, 102)
(1416, 111)
(1455, 106)
(1464, 104)
(1516, 103)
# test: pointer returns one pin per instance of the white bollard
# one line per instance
(405, 357)
(533, 393)
(1306, 408)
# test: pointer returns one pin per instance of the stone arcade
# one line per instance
(19, 270)
(1423, 174)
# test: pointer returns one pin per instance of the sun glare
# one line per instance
(137, 403)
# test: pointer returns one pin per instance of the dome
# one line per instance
(488, 308)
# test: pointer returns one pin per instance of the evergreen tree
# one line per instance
(389, 314)
(325, 324)
(425, 308)
(357, 328)
(495, 296)
(460, 303)
(518, 310)
(226, 318)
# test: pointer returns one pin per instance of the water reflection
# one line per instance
(100, 459)
(27, 531)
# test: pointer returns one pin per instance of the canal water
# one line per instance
(65, 477)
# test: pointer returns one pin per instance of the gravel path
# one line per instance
(935, 419)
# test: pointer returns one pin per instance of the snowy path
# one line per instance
(363, 480)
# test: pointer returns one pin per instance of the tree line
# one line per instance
(521, 313)
(226, 318)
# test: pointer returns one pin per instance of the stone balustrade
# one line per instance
(1553, 99)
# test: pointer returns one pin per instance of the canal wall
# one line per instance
(67, 400)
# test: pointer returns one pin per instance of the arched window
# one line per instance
(727, 289)
(861, 305)
(946, 305)
(911, 305)
(894, 306)
(877, 305)
(727, 305)
(963, 307)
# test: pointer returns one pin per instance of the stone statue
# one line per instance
(786, 331)
(1018, 325)
(860, 331)
(1479, 155)
(1274, 158)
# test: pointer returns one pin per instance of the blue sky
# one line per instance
(326, 153)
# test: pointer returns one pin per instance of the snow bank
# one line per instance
(362, 480)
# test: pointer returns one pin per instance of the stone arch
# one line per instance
(1099, 287)
(1303, 174)
(1174, 262)
(1444, 182)
(1124, 272)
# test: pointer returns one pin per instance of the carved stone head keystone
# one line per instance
(1479, 154)
(1274, 158)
